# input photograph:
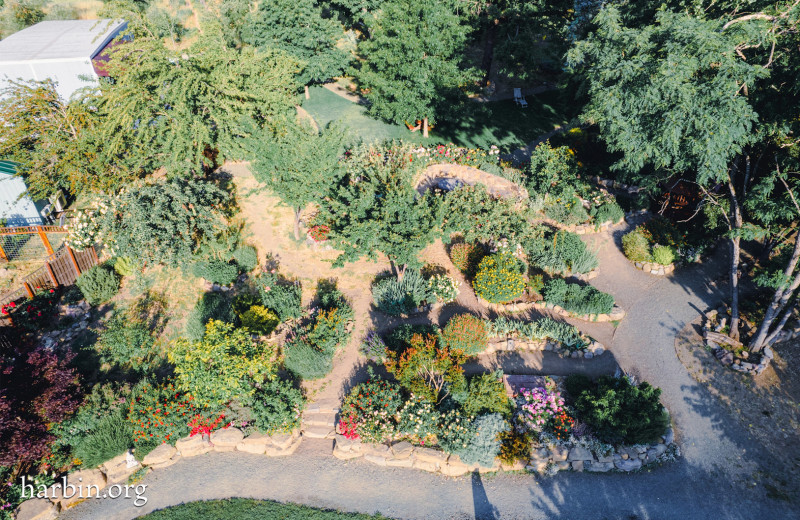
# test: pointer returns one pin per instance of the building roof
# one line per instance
(59, 40)
(8, 167)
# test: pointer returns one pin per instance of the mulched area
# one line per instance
(768, 405)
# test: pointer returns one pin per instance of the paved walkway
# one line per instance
(716, 478)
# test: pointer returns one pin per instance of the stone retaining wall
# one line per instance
(654, 268)
(495, 185)
(616, 314)
(544, 460)
(515, 343)
(118, 469)
(588, 228)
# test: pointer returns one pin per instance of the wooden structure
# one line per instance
(9, 251)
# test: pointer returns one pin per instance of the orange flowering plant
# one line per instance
(160, 413)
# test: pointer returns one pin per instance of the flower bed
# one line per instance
(655, 246)
(413, 294)
(544, 335)
(616, 314)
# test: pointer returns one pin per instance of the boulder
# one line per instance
(375, 459)
(408, 462)
(669, 436)
(227, 438)
(402, 450)
(605, 458)
(579, 453)
(193, 446)
(120, 468)
(540, 454)
(538, 466)
(430, 455)
(343, 443)
(378, 450)
(87, 483)
(169, 462)
(161, 454)
(284, 440)
(577, 465)
(342, 454)
(559, 453)
(426, 466)
(601, 467)
(628, 465)
(256, 444)
(36, 509)
(275, 451)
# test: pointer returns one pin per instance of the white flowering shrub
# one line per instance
(443, 288)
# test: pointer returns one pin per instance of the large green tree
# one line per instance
(300, 165)
(299, 28)
(702, 99)
(375, 209)
(189, 110)
(412, 66)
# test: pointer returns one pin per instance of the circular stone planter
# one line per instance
(654, 268)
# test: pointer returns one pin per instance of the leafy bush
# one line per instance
(281, 296)
(259, 320)
(159, 414)
(223, 366)
(276, 406)
(619, 412)
(427, 368)
(466, 333)
(456, 430)
(305, 360)
(562, 251)
(636, 247)
(395, 297)
(443, 288)
(212, 306)
(498, 279)
(112, 435)
(399, 338)
(34, 314)
(545, 328)
(484, 447)
(487, 394)
(98, 284)
(663, 255)
(369, 409)
(246, 257)
(125, 265)
(515, 446)
(418, 419)
(608, 211)
(328, 332)
(466, 257)
(125, 342)
(217, 271)
(576, 298)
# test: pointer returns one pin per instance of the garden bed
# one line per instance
(515, 307)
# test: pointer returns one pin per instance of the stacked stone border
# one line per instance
(587, 228)
(617, 313)
(654, 268)
(515, 343)
(713, 337)
(121, 467)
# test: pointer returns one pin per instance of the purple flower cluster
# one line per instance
(539, 406)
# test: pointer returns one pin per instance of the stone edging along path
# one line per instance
(654, 268)
(617, 313)
(514, 343)
(121, 467)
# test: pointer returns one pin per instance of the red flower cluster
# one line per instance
(204, 425)
(160, 413)
(348, 426)
(319, 233)
(562, 425)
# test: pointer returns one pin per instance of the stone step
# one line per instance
(320, 419)
(318, 432)
(328, 406)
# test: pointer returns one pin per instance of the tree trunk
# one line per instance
(425, 127)
(780, 300)
(735, 253)
(488, 52)
(297, 212)
(306, 91)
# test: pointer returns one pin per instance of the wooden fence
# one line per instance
(60, 269)
(18, 243)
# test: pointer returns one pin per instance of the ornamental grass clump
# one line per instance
(499, 279)
(395, 297)
(466, 333)
(576, 298)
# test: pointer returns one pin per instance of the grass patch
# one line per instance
(248, 509)
(479, 125)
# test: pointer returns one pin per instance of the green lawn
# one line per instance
(247, 509)
(478, 125)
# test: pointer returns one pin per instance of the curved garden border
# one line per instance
(514, 343)
(495, 185)
(587, 228)
(654, 268)
(714, 337)
(617, 313)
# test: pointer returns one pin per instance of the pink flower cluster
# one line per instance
(539, 407)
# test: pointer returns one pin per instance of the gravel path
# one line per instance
(718, 476)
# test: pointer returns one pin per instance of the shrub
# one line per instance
(370, 408)
(456, 430)
(576, 384)
(125, 265)
(246, 257)
(99, 284)
(217, 271)
(35, 314)
(418, 419)
(399, 338)
(305, 360)
(112, 435)
(443, 288)
(466, 257)
(487, 394)
(663, 255)
(577, 298)
(636, 247)
(466, 333)
(427, 368)
(498, 279)
(484, 447)
(619, 412)
(105, 399)
(515, 446)
(374, 347)
(562, 251)
(125, 342)
(583, 262)
(223, 366)
(280, 296)
(608, 211)
(159, 414)
(259, 320)
(328, 332)
(212, 306)
(394, 297)
(276, 406)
